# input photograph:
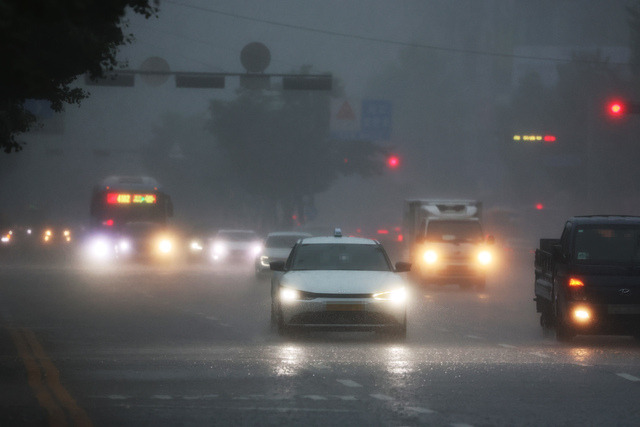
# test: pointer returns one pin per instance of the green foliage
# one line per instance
(45, 45)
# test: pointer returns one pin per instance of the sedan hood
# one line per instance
(277, 253)
(342, 282)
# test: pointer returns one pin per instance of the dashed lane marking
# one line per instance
(420, 410)
(507, 346)
(381, 397)
(349, 383)
(628, 377)
(314, 397)
(474, 337)
(537, 353)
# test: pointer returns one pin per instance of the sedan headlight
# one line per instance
(289, 295)
(397, 295)
(264, 261)
(430, 257)
(195, 246)
(485, 257)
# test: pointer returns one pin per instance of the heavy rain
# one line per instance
(370, 212)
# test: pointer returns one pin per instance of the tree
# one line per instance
(278, 145)
(44, 46)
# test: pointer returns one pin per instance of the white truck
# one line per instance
(446, 243)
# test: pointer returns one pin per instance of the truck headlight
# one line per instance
(485, 257)
(430, 257)
(165, 246)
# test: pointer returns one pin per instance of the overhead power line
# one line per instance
(389, 41)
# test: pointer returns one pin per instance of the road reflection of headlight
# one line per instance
(485, 257)
(288, 295)
(165, 246)
(397, 295)
(430, 257)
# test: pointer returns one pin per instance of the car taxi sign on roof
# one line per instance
(337, 232)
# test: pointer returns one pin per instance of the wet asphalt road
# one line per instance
(139, 345)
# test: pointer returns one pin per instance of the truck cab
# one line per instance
(447, 242)
(588, 281)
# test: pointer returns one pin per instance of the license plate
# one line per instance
(345, 307)
(623, 309)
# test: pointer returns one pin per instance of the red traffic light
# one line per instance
(616, 108)
(393, 162)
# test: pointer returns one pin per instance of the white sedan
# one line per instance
(343, 283)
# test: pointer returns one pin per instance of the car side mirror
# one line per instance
(277, 265)
(403, 267)
(491, 240)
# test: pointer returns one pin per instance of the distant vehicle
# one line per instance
(146, 241)
(235, 245)
(588, 281)
(339, 283)
(277, 247)
(446, 242)
(118, 201)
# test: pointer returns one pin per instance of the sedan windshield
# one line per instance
(340, 257)
(284, 241)
(603, 244)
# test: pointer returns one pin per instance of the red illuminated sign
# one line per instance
(126, 198)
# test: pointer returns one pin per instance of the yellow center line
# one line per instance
(44, 379)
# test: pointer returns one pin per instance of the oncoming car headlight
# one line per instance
(195, 246)
(397, 295)
(288, 295)
(264, 261)
(485, 257)
(165, 246)
(430, 257)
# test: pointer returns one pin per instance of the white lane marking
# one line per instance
(461, 425)
(349, 383)
(346, 397)
(203, 397)
(215, 319)
(420, 410)
(254, 408)
(381, 397)
(117, 397)
(474, 337)
(507, 346)
(162, 397)
(314, 397)
(537, 353)
(628, 377)
(225, 325)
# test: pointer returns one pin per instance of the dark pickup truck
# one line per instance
(588, 281)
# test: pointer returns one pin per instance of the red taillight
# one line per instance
(573, 282)
(383, 231)
(108, 223)
(400, 238)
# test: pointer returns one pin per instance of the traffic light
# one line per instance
(616, 108)
(393, 161)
